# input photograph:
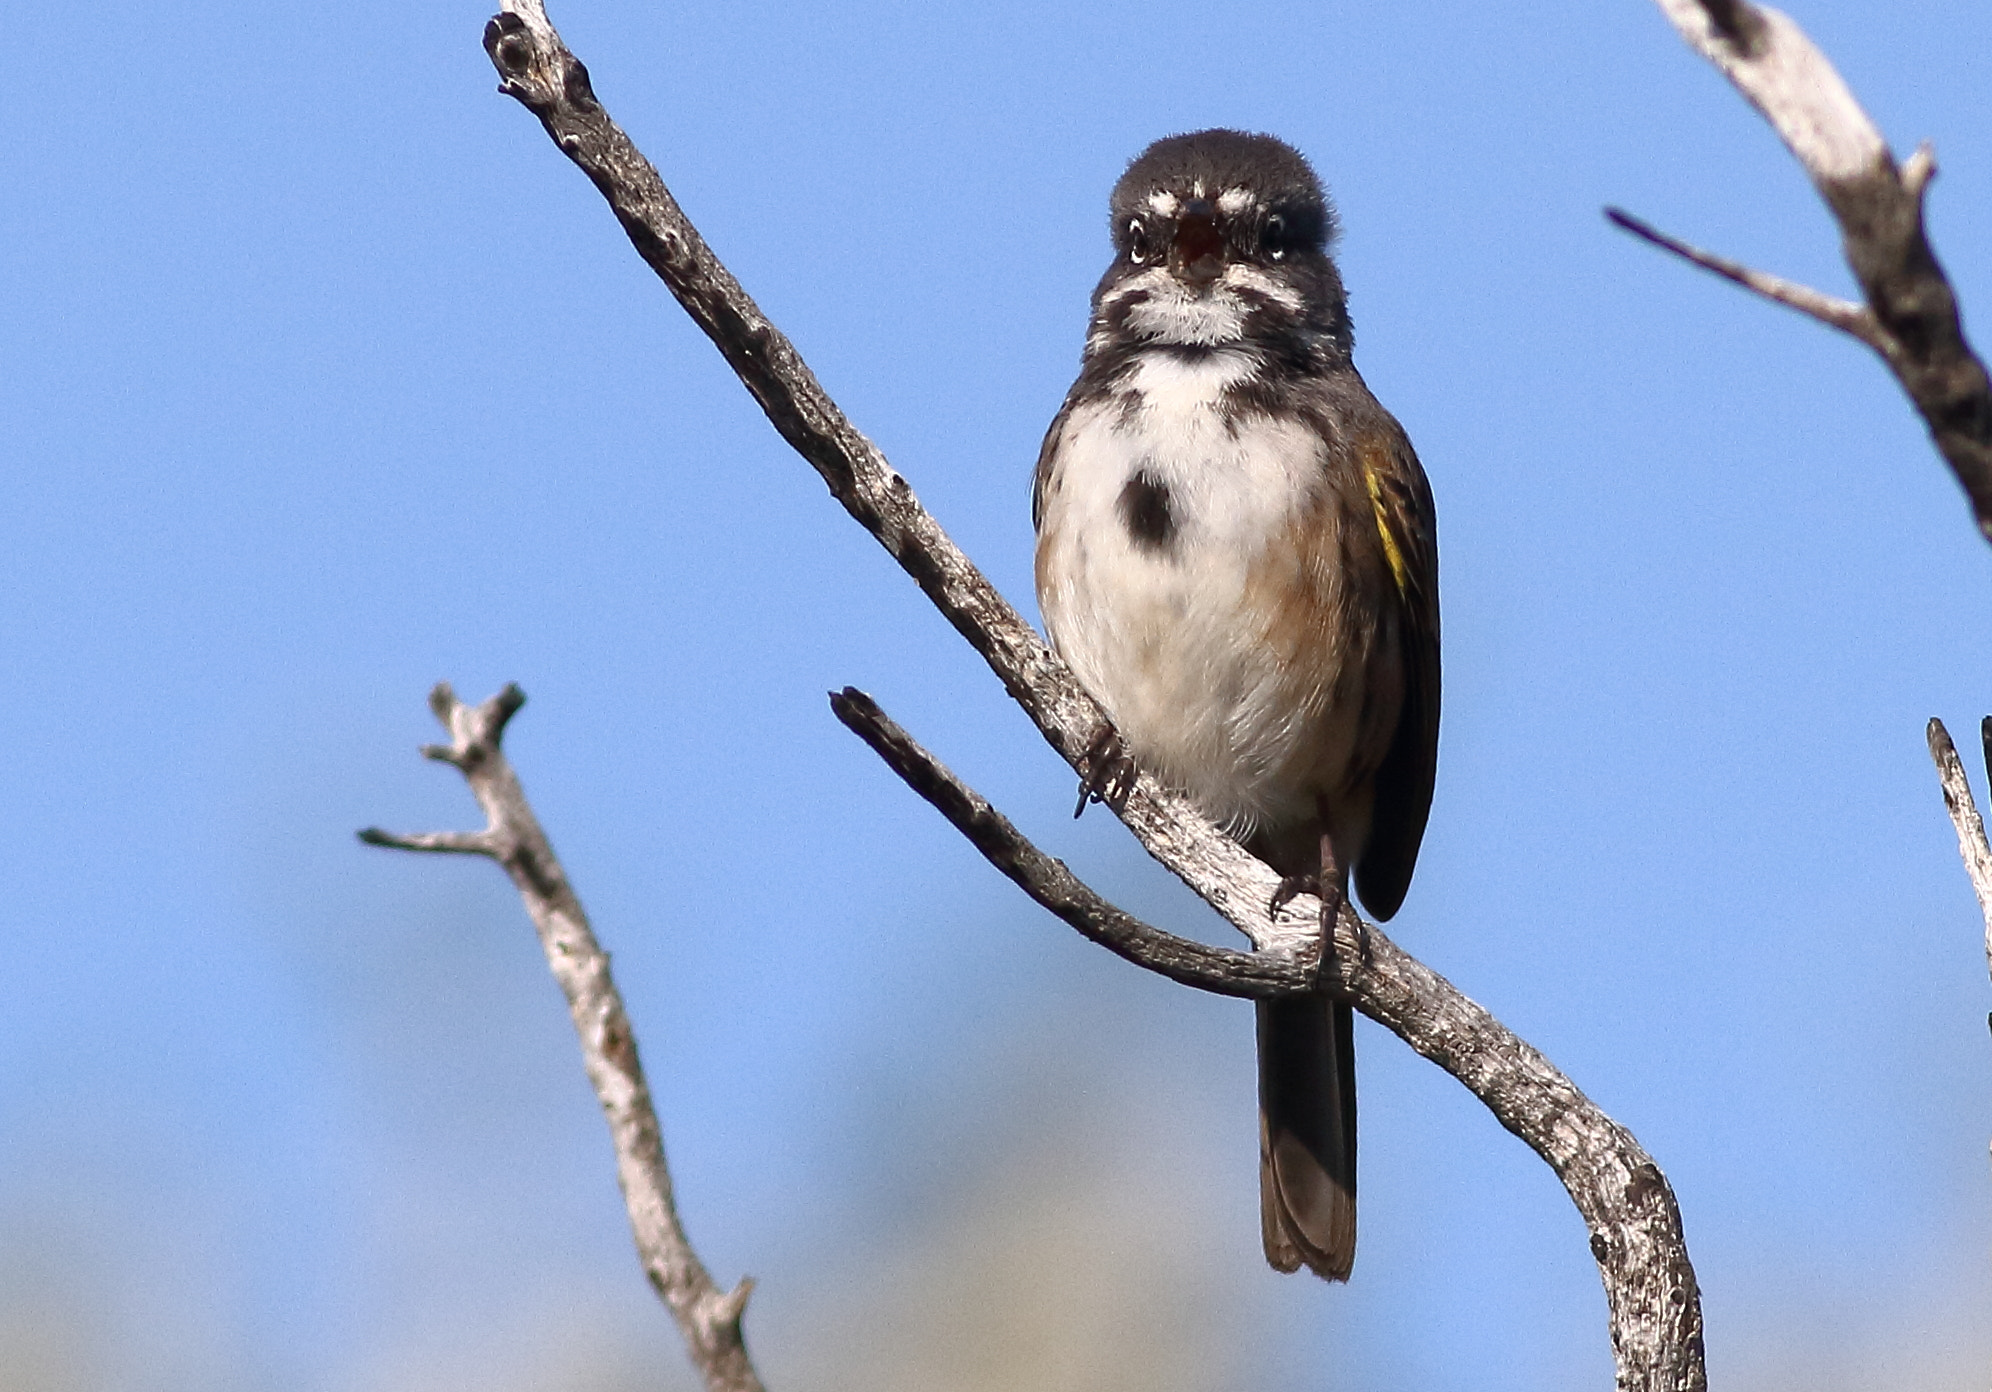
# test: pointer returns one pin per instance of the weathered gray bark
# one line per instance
(708, 1318)
(1971, 842)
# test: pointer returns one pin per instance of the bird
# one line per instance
(1237, 557)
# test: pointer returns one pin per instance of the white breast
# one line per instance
(1165, 636)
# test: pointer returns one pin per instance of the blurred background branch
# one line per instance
(707, 1317)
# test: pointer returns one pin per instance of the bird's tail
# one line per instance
(1307, 1134)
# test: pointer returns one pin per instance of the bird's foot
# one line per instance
(1333, 897)
(1335, 894)
(1106, 771)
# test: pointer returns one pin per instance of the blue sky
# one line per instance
(325, 376)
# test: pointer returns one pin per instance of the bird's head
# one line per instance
(1219, 234)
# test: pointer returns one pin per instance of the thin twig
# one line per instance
(1830, 310)
(1654, 1306)
(1971, 842)
(707, 1317)
(1879, 208)
(439, 842)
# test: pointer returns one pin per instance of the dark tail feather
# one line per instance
(1307, 1135)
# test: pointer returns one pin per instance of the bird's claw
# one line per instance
(1291, 888)
(1106, 771)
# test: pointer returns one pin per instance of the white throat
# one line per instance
(1167, 311)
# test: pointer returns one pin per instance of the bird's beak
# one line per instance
(1197, 255)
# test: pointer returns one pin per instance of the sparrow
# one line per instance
(1236, 556)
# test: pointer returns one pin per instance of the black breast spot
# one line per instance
(1145, 511)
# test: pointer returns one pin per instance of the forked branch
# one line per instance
(1910, 317)
(1655, 1309)
(707, 1317)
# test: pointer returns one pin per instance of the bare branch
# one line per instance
(1971, 842)
(1781, 73)
(1830, 310)
(442, 842)
(1985, 740)
(1879, 207)
(1220, 970)
(707, 1317)
(1655, 1311)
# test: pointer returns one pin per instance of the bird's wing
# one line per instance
(1041, 476)
(1402, 502)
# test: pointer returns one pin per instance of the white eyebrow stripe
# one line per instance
(1234, 201)
(1164, 203)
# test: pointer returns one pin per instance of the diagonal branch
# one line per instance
(1830, 310)
(707, 1317)
(1879, 207)
(1257, 975)
(551, 82)
(1654, 1306)
(438, 842)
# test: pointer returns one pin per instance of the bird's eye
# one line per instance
(1138, 249)
(1273, 238)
